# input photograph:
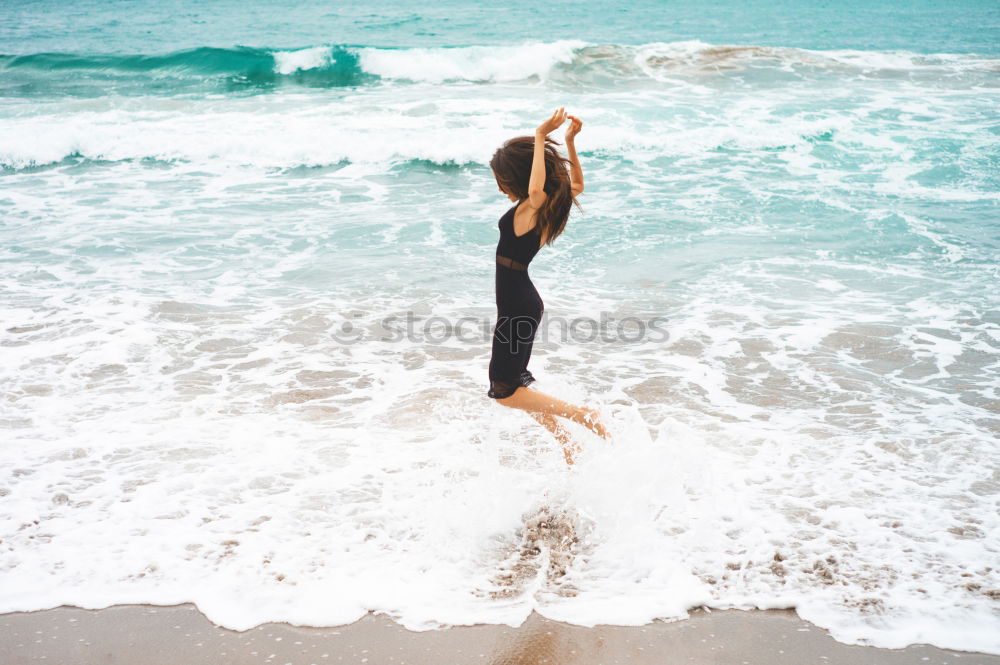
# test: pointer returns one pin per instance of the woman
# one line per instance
(533, 174)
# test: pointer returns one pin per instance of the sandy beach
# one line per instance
(181, 634)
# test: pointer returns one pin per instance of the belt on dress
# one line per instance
(511, 263)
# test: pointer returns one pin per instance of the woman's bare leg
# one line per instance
(536, 402)
(569, 447)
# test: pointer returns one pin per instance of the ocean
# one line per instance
(246, 286)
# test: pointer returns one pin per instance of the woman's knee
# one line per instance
(511, 399)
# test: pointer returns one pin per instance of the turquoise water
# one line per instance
(246, 283)
(967, 26)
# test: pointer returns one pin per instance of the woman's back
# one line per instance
(518, 248)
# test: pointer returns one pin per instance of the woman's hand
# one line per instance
(557, 119)
(574, 127)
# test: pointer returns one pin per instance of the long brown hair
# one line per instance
(511, 166)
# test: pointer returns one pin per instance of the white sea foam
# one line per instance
(273, 474)
(289, 62)
(287, 132)
(468, 63)
(663, 61)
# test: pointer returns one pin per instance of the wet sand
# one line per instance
(150, 635)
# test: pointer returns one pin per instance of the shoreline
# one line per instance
(158, 635)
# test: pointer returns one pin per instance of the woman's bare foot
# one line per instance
(569, 447)
(591, 419)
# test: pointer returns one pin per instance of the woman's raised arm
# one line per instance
(575, 171)
(536, 184)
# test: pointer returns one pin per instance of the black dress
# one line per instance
(519, 309)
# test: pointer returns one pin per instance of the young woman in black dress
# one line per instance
(533, 174)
